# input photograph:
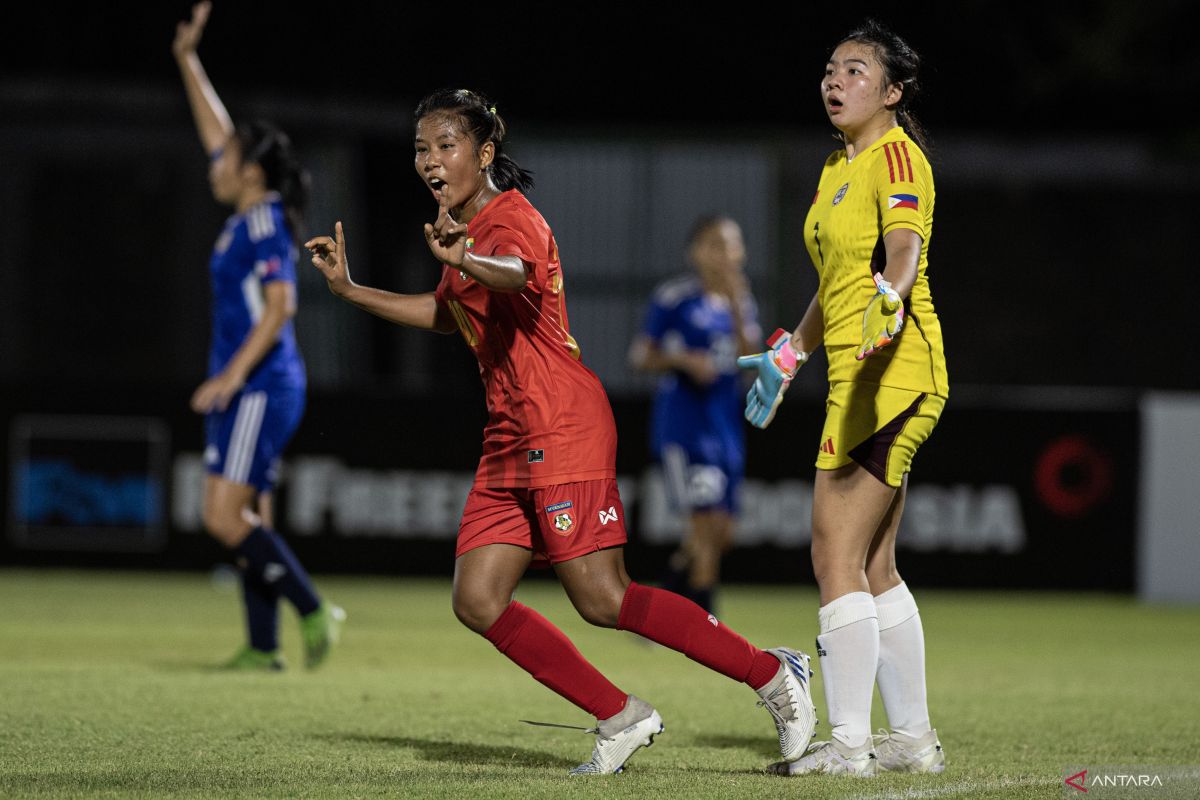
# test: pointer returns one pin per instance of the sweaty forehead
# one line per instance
(859, 51)
(439, 125)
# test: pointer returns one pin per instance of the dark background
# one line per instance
(1069, 66)
(1065, 267)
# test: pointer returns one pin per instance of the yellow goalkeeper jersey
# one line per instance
(858, 201)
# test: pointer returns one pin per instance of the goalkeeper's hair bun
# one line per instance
(482, 123)
(902, 65)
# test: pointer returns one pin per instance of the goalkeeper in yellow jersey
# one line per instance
(868, 234)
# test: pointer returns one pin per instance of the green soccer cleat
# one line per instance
(320, 631)
(250, 660)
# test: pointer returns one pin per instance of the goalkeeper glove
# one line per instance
(776, 368)
(882, 320)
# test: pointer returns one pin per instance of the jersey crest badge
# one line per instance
(837, 198)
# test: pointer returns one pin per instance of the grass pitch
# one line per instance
(107, 690)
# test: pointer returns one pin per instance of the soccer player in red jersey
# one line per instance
(546, 484)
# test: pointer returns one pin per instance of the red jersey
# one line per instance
(549, 421)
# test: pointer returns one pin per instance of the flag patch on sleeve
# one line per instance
(903, 201)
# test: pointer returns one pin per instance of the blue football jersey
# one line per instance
(705, 420)
(254, 249)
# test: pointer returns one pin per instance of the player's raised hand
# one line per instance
(776, 368)
(329, 256)
(447, 238)
(188, 34)
(883, 319)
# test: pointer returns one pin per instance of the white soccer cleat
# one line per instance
(899, 753)
(789, 699)
(619, 737)
(831, 758)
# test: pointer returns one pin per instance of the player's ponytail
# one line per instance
(481, 122)
(264, 144)
(902, 65)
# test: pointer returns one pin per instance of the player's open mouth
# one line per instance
(834, 103)
(437, 184)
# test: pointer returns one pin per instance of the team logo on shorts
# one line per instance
(837, 198)
(563, 521)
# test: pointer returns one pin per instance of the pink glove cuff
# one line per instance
(783, 354)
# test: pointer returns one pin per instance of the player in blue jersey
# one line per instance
(253, 398)
(696, 327)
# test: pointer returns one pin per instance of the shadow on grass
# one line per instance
(209, 668)
(759, 745)
(471, 754)
(461, 752)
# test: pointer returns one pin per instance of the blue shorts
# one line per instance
(244, 443)
(696, 484)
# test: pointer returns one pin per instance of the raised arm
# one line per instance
(212, 120)
(414, 310)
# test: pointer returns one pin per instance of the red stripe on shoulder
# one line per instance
(904, 147)
(900, 162)
(891, 170)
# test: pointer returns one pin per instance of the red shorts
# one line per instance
(557, 522)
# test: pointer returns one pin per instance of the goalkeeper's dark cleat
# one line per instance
(250, 660)
(320, 631)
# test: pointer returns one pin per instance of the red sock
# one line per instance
(685, 627)
(542, 650)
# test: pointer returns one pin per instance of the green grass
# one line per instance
(107, 690)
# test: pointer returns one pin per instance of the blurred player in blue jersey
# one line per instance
(696, 327)
(253, 398)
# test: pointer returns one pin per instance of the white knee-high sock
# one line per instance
(848, 647)
(901, 674)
